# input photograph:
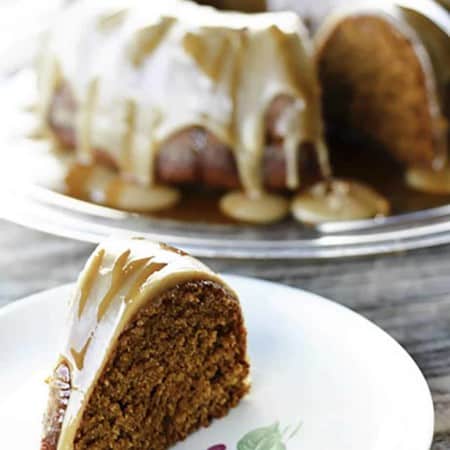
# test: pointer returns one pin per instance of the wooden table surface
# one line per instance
(407, 294)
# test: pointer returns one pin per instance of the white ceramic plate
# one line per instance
(314, 363)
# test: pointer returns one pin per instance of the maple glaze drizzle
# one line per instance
(120, 275)
(84, 122)
(175, 55)
(127, 146)
(147, 272)
(113, 191)
(86, 286)
(117, 277)
(77, 179)
(148, 39)
(79, 357)
(106, 187)
(123, 270)
(172, 249)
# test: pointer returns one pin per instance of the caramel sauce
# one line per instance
(196, 206)
(363, 162)
(359, 161)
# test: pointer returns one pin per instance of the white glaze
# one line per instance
(141, 71)
(261, 209)
(338, 200)
(429, 180)
(103, 186)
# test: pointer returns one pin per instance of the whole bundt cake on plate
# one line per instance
(149, 98)
(172, 92)
(154, 96)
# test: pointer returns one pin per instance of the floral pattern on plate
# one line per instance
(265, 438)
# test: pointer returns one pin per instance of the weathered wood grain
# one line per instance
(408, 295)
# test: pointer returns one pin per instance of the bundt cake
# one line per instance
(156, 349)
(174, 92)
(151, 96)
(385, 74)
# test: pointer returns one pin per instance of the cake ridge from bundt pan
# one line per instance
(156, 349)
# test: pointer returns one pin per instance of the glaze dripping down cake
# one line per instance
(156, 349)
(175, 93)
(152, 97)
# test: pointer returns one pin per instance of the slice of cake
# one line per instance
(156, 349)
(385, 72)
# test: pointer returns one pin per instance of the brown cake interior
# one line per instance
(374, 84)
(179, 364)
